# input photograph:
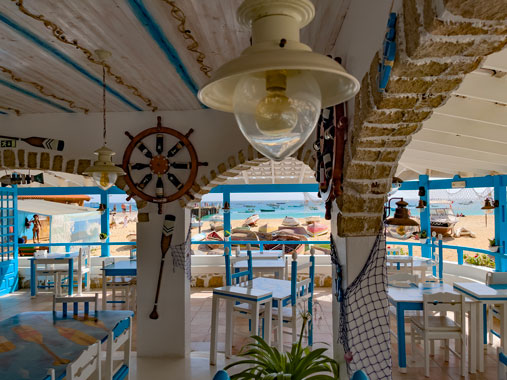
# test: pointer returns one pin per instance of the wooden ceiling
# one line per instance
(41, 74)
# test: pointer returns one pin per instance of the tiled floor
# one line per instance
(197, 365)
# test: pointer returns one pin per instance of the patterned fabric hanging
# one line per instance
(181, 254)
(364, 318)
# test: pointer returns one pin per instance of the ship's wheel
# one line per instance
(157, 175)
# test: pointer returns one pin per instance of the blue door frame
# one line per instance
(8, 240)
(498, 182)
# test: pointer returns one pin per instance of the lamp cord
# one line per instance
(104, 101)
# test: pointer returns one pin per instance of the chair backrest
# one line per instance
(121, 335)
(443, 302)
(302, 290)
(76, 300)
(87, 365)
(496, 278)
(359, 375)
(232, 275)
(51, 374)
(402, 277)
(502, 365)
(400, 264)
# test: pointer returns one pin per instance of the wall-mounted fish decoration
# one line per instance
(21, 179)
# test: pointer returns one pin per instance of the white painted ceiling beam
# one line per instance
(473, 109)
(465, 127)
(497, 61)
(495, 149)
(484, 87)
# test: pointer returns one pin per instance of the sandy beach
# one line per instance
(474, 223)
(273, 224)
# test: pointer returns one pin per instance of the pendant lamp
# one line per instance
(103, 171)
(401, 224)
(278, 86)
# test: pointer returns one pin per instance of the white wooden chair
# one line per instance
(400, 264)
(87, 365)
(119, 342)
(76, 300)
(301, 302)
(123, 290)
(82, 272)
(51, 374)
(430, 327)
(502, 365)
(494, 311)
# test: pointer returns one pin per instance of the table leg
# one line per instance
(480, 333)
(104, 290)
(255, 318)
(214, 330)
(473, 337)
(33, 278)
(503, 326)
(400, 325)
(280, 326)
(228, 327)
(71, 276)
(267, 321)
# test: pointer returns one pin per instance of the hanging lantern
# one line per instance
(421, 205)
(278, 86)
(401, 225)
(488, 205)
(397, 182)
(103, 171)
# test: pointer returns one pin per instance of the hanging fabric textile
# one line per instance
(364, 318)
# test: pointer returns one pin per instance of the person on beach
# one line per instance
(123, 208)
(36, 228)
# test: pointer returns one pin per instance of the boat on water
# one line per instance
(317, 229)
(443, 220)
(267, 210)
(252, 220)
(251, 206)
(313, 208)
(290, 221)
(293, 206)
(275, 205)
(214, 236)
(195, 223)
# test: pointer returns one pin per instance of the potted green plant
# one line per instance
(103, 237)
(265, 362)
(492, 245)
(423, 236)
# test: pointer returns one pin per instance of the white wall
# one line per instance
(216, 137)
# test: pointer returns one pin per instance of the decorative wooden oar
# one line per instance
(91, 321)
(78, 337)
(165, 243)
(29, 334)
(40, 142)
(6, 345)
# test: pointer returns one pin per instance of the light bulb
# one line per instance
(104, 179)
(277, 110)
(275, 115)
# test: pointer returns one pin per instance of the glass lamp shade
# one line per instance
(277, 110)
(402, 232)
(103, 171)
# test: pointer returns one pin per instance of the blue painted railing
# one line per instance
(78, 244)
(261, 243)
(460, 250)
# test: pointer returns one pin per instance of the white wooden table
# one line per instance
(483, 294)
(254, 297)
(281, 293)
(52, 258)
(260, 266)
(421, 264)
(410, 298)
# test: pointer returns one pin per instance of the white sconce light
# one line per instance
(278, 86)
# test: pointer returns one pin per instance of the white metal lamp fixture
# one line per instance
(103, 171)
(277, 87)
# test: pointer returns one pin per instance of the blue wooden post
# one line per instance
(411, 250)
(228, 275)
(104, 223)
(425, 215)
(227, 219)
(460, 256)
(500, 222)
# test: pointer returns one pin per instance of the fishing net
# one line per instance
(364, 318)
(182, 254)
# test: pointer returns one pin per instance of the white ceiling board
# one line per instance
(450, 141)
(474, 110)
(497, 61)
(485, 87)
(464, 127)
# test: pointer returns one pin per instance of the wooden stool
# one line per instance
(254, 297)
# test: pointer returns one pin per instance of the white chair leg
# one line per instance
(446, 348)
(463, 350)
(432, 348)
(490, 324)
(412, 342)
(426, 357)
